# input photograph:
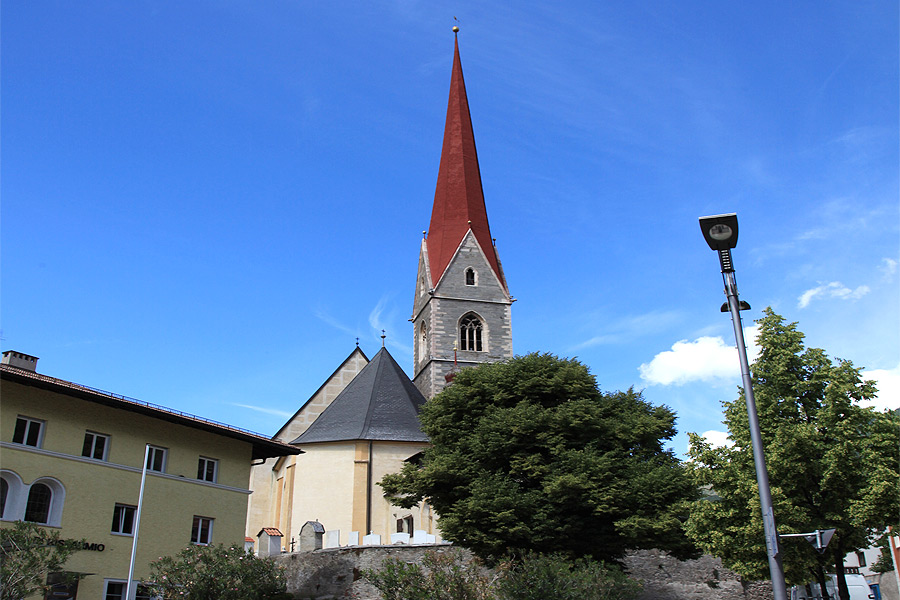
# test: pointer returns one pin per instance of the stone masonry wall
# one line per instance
(336, 574)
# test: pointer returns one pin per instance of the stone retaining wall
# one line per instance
(335, 574)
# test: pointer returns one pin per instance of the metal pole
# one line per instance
(130, 589)
(779, 588)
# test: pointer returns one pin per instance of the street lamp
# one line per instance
(721, 233)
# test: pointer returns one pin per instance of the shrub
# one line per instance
(216, 573)
(449, 576)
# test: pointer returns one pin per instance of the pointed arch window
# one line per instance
(423, 342)
(470, 276)
(470, 333)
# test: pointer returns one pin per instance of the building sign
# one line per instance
(78, 545)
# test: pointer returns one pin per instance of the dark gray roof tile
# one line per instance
(379, 404)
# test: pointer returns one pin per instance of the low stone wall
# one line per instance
(667, 578)
(336, 574)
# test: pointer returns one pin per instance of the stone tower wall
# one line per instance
(442, 308)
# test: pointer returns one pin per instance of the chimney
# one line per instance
(20, 361)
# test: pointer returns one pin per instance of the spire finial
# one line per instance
(357, 342)
(382, 338)
(455, 28)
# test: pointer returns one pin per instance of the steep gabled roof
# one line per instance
(379, 404)
(458, 197)
(284, 428)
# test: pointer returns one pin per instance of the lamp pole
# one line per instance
(721, 232)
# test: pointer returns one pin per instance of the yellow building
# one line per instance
(71, 460)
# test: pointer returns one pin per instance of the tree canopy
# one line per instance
(529, 455)
(831, 462)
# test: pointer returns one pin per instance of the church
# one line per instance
(362, 423)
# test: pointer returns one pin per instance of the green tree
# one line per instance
(528, 455)
(831, 462)
(28, 553)
(216, 573)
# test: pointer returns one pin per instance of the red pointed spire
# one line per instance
(458, 197)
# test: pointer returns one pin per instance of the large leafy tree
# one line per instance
(529, 455)
(831, 462)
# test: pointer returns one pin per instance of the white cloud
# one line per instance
(888, 268)
(717, 438)
(888, 382)
(704, 359)
(835, 289)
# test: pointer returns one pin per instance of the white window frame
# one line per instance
(151, 458)
(124, 585)
(96, 436)
(120, 522)
(202, 468)
(17, 498)
(29, 423)
(197, 530)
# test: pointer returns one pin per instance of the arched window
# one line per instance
(423, 341)
(470, 276)
(4, 492)
(13, 496)
(470, 328)
(37, 509)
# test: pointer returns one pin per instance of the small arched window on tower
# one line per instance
(470, 276)
(423, 342)
(470, 333)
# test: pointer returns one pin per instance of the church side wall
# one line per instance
(323, 488)
(389, 457)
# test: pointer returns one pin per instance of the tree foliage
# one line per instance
(216, 573)
(831, 462)
(528, 455)
(449, 576)
(28, 553)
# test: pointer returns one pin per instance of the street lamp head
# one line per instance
(720, 231)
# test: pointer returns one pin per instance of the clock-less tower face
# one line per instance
(463, 321)
(461, 311)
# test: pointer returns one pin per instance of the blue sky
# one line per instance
(204, 204)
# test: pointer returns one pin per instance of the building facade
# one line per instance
(72, 459)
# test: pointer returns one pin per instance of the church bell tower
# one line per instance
(461, 312)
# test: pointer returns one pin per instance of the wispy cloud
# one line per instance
(263, 409)
(835, 289)
(704, 359)
(629, 328)
(888, 269)
(323, 316)
(382, 318)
